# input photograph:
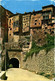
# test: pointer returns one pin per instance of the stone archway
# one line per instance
(14, 62)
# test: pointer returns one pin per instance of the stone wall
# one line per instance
(42, 62)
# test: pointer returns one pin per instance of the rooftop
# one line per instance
(48, 6)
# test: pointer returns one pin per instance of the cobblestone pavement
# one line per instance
(17, 74)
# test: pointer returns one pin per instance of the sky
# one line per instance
(21, 6)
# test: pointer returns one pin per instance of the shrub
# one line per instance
(53, 74)
(10, 66)
(48, 75)
(35, 49)
(42, 73)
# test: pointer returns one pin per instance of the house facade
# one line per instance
(14, 27)
(26, 22)
(36, 23)
(4, 15)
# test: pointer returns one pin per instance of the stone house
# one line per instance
(48, 19)
(14, 27)
(4, 14)
(26, 22)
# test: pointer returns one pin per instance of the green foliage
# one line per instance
(35, 49)
(48, 75)
(54, 74)
(10, 66)
(42, 73)
(49, 39)
(21, 45)
(28, 38)
(50, 43)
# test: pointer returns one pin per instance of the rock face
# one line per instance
(42, 62)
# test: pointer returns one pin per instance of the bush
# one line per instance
(53, 74)
(10, 66)
(42, 73)
(48, 75)
(35, 49)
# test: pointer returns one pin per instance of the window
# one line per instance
(45, 17)
(16, 23)
(10, 28)
(50, 30)
(10, 34)
(42, 22)
(39, 40)
(39, 23)
(45, 27)
(35, 20)
(45, 32)
(10, 21)
(28, 43)
(35, 23)
(51, 24)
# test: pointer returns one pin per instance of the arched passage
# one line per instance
(14, 62)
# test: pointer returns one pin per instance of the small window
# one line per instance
(10, 20)
(39, 40)
(35, 20)
(51, 24)
(6, 15)
(28, 43)
(10, 28)
(34, 32)
(43, 17)
(42, 22)
(45, 27)
(45, 32)
(10, 34)
(39, 23)
(35, 24)
(52, 32)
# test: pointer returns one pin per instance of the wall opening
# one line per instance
(14, 62)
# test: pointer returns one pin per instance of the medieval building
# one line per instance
(36, 23)
(4, 15)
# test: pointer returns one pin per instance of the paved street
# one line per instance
(15, 74)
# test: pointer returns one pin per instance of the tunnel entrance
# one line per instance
(14, 62)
